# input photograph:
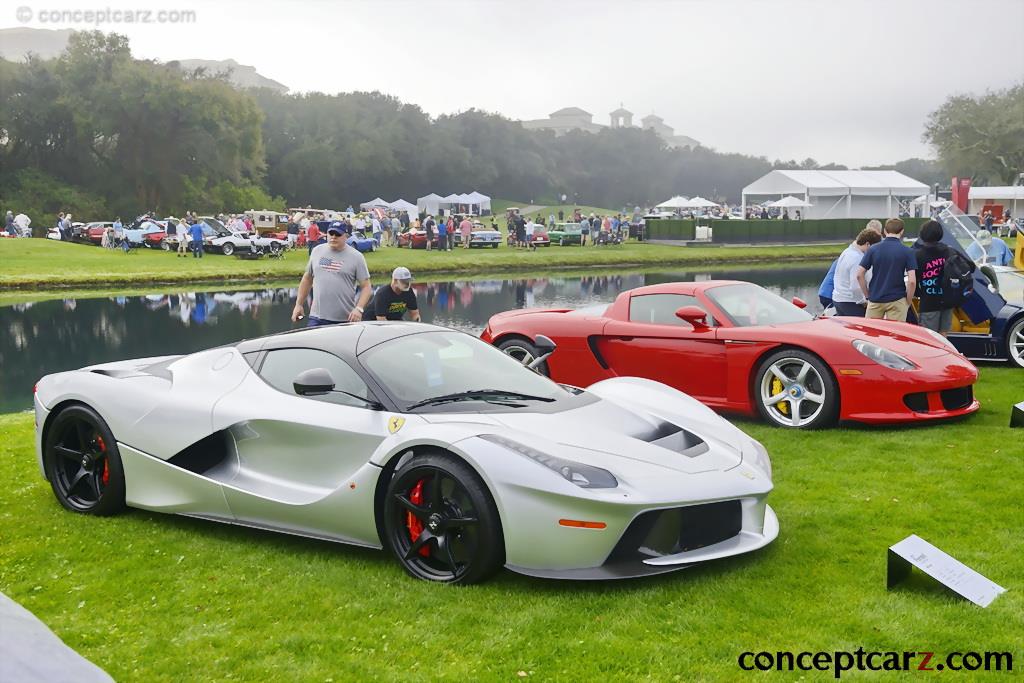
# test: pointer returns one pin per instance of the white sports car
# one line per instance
(420, 439)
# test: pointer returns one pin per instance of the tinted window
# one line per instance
(660, 309)
(281, 367)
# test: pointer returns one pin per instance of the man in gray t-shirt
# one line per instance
(333, 271)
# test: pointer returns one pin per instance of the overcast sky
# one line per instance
(850, 81)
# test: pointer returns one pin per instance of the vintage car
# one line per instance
(92, 232)
(479, 236)
(566, 233)
(457, 460)
(989, 325)
(739, 348)
(147, 233)
(540, 236)
(416, 238)
(210, 233)
(360, 242)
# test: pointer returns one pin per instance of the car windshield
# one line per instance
(1011, 285)
(747, 305)
(418, 367)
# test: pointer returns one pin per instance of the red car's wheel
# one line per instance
(524, 352)
(795, 389)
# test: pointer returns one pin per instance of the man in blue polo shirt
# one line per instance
(889, 295)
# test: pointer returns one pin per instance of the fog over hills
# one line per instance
(17, 43)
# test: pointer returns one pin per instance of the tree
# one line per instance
(980, 137)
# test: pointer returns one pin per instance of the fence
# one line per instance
(766, 231)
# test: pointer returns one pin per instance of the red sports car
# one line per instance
(739, 348)
(416, 238)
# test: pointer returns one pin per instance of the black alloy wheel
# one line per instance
(441, 523)
(81, 460)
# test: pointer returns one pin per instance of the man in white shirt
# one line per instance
(180, 228)
(847, 296)
(530, 227)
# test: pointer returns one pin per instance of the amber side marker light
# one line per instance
(850, 372)
(580, 524)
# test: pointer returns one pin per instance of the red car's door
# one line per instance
(655, 344)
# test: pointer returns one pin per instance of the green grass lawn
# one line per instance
(160, 598)
(41, 263)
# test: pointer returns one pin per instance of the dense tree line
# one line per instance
(98, 132)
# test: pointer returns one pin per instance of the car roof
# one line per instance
(343, 339)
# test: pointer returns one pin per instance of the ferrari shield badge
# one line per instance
(395, 423)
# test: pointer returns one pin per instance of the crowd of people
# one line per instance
(878, 276)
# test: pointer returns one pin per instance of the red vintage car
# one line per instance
(416, 238)
(738, 348)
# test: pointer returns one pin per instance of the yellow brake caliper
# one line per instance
(776, 389)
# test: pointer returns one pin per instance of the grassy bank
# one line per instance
(39, 264)
(161, 598)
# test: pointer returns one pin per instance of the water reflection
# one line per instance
(50, 336)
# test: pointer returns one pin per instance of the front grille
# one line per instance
(916, 402)
(955, 399)
(668, 532)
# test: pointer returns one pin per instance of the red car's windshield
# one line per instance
(747, 305)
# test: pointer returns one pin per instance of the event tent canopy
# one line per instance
(789, 202)
(677, 202)
(402, 205)
(699, 203)
(842, 194)
(429, 204)
(374, 203)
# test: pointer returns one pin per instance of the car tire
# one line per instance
(165, 246)
(227, 248)
(494, 246)
(524, 352)
(1015, 342)
(561, 242)
(795, 389)
(276, 248)
(82, 463)
(441, 523)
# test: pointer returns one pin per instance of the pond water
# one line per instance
(41, 337)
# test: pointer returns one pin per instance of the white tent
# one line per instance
(429, 204)
(789, 202)
(1011, 197)
(677, 202)
(839, 194)
(699, 203)
(402, 205)
(374, 203)
(480, 200)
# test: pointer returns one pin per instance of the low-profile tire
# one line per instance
(441, 523)
(523, 351)
(795, 389)
(227, 248)
(1015, 342)
(81, 460)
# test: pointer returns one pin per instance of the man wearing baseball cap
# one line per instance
(333, 272)
(392, 301)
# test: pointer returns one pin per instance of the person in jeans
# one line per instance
(893, 275)
(846, 294)
(333, 273)
(196, 233)
(931, 254)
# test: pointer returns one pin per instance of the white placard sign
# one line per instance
(947, 570)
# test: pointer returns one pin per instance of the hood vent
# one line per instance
(674, 438)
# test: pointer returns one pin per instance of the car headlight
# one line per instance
(941, 339)
(882, 356)
(584, 476)
(761, 459)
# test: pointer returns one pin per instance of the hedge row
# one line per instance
(764, 231)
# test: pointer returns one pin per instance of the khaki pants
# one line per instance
(890, 310)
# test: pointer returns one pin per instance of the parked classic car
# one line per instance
(565, 234)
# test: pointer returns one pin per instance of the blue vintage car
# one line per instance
(986, 326)
(363, 243)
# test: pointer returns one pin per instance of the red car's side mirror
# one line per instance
(695, 315)
(799, 303)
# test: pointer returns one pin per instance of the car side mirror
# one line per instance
(799, 303)
(313, 382)
(695, 315)
(545, 347)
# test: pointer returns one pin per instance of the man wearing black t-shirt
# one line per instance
(931, 254)
(392, 301)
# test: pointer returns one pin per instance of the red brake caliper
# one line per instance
(106, 461)
(414, 525)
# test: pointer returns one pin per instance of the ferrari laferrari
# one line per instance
(741, 349)
(418, 439)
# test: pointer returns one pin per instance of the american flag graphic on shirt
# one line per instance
(328, 264)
